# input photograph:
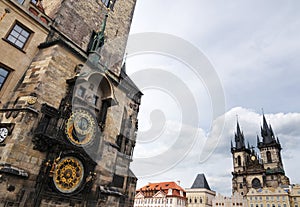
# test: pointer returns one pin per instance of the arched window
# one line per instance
(256, 183)
(195, 200)
(269, 157)
(241, 186)
(200, 200)
(239, 161)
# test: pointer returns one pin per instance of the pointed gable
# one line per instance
(139, 195)
(159, 194)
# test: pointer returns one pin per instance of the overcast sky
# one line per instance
(251, 49)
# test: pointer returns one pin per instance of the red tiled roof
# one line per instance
(164, 187)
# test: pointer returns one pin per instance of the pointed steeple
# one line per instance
(258, 141)
(267, 132)
(265, 124)
(271, 130)
(239, 138)
(278, 142)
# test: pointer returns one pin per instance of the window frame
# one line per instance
(21, 2)
(24, 28)
(108, 3)
(7, 75)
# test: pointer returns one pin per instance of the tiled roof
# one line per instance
(164, 187)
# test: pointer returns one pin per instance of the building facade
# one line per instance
(269, 197)
(200, 194)
(283, 196)
(294, 195)
(68, 118)
(257, 170)
(236, 200)
(24, 25)
(165, 194)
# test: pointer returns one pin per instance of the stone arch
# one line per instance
(102, 84)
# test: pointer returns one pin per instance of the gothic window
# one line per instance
(269, 157)
(19, 35)
(256, 183)
(239, 161)
(241, 186)
(3, 75)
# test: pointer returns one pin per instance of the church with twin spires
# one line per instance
(257, 170)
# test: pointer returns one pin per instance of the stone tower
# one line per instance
(72, 118)
(246, 164)
(253, 170)
(270, 151)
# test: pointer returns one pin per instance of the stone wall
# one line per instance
(77, 19)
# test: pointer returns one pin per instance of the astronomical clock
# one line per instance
(71, 137)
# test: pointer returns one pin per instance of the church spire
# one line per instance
(239, 137)
(267, 132)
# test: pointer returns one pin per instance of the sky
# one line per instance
(201, 66)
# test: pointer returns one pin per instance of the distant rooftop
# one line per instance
(162, 186)
(200, 182)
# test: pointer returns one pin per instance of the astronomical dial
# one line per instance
(81, 128)
(68, 174)
(3, 133)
